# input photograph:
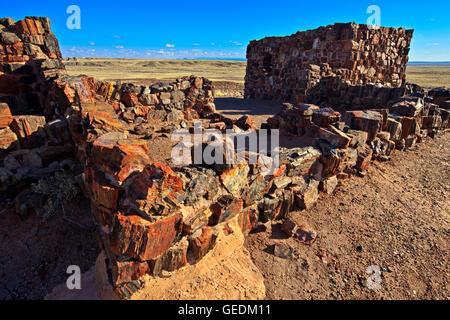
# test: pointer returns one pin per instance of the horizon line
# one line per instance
(221, 58)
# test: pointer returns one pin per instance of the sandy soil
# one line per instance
(112, 69)
(396, 217)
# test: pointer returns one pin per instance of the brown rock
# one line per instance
(325, 117)
(306, 234)
(368, 121)
(364, 158)
(201, 242)
(175, 258)
(329, 185)
(306, 197)
(226, 208)
(139, 239)
(119, 157)
(156, 190)
(127, 271)
(335, 137)
(8, 139)
(129, 99)
(246, 123)
(5, 116)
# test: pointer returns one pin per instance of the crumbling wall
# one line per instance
(29, 57)
(323, 60)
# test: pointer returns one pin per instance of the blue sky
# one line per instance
(212, 29)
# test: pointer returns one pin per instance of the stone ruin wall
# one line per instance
(337, 65)
(154, 217)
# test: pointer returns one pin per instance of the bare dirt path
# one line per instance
(396, 218)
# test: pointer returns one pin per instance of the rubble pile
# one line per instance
(338, 65)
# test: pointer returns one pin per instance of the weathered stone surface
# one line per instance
(8, 139)
(364, 158)
(5, 116)
(331, 159)
(283, 251)
(226, 208)
(306, 234)
(201, 242)
(238, 278)
(103, 193)
(359, 138)
(335, 137)
(235, 179)
(139, 239)
(199, 183)
(329, 185)
(155, 191)
(395, 129)
(256, 190)
(341, 64)
(127, 271)
(281, 183)
(29, 130)
(246, 123)
(407, 108)
(294, 226)
(368, 121)
(445, 115)
(119, 157)
(432, 122)
(325, 117)
(129, 99)
(289, 227)
(248, 219)
(299, 161)
(195, 219)
(306, 197)
(410, 126)
(382, 147)
(173, 259)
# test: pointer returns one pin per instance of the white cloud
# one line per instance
(196, 44)
(236, 43)
(213, 44)
(92, 43)
(163, 53)
(117, 37)
(170, 45)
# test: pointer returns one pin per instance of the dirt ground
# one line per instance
(395, 218)
(35, 255)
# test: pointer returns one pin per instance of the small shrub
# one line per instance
(58, 189)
